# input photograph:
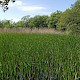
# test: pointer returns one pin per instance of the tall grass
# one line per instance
(32, 30)
(39, 57)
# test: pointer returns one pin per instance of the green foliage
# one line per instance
(75, 23)
(19, 24)
(44, 21)
(31, 23)
(25, 20)
(6, 23)
(74, 29)
(39, 56)
(76, 6)
(70, 19)
(53, 19)
(1, 24)
(64, 20)
(38, 21)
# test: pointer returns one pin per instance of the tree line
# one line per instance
(68, 21)
(37, 21)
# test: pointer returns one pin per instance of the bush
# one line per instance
(74, 29)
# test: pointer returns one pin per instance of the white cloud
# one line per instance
(24, 7)
(31, 8)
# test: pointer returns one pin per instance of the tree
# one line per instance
(1, 24)
(25, 20)
(53, 19)
(64, 20)
(31, 23)
(38, 21)
(19, 24)
(70, 19)
(74, 26)
(43, 20)
(6, 23)
(4, 4)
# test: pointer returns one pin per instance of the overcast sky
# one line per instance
(34, 7)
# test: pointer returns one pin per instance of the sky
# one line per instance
(33, 7)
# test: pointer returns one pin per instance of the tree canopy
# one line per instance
(53, 19)
(70, 19)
